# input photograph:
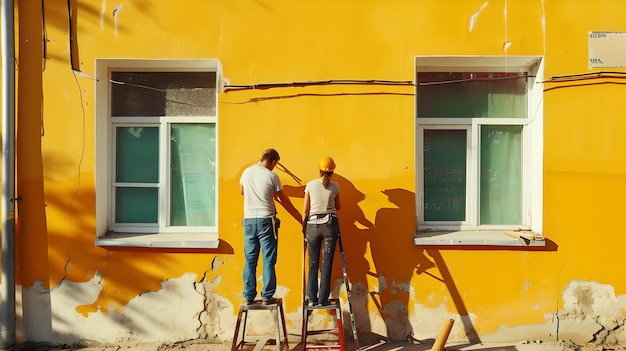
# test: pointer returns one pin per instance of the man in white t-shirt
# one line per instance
(259, 187)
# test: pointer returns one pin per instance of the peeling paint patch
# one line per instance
(169, 314)
(590, 301)
(591, 313)
(216, 263)
(397, 321)
(185, 308)
(506, 46)
(399, 288)
(218, 317)
(116, 12)
(474, 17)
(382, 282)
(102, 12)
(426, 323)
(54, 312)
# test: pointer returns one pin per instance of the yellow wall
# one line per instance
(368, 129)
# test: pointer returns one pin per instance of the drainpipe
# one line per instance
(7, 306)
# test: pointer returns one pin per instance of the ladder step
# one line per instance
(323, 347)
(261, 344)
(323, 331)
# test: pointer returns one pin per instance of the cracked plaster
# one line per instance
(185, 309)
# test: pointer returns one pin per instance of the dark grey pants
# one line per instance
(321, 238)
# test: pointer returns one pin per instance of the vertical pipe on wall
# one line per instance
(7, 306)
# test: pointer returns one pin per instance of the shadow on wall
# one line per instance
(52, 257)
(395, 260)
(354, 226)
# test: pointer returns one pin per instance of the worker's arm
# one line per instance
(241, 189)
(305, 210)
(337, 203)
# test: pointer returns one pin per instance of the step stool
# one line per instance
(257, 305)
(335, 310)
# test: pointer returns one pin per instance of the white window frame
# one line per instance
(469, 232)
(162, 235)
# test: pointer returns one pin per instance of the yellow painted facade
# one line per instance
(368, 129)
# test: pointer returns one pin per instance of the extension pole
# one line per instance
(443, 336)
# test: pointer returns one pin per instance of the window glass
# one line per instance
(445, 159)
(469, 95)
(137, 156)
(501, 175)
(163, 94)
(136, 205)
(193, 176)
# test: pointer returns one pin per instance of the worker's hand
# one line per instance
(276, 222)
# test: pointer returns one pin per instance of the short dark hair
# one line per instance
(270, 155)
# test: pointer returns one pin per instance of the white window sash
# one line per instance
(110, 233)
(530, 147)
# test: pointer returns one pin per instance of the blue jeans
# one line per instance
(316, 234)
(259, 237)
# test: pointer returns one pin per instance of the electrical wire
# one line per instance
(474, 80)
(71, 35)
(44, 34)
(75, 73)
(585, 80)
(585, 76)
(264, 86)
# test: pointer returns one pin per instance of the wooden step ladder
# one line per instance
(279, 319)
(335, 310)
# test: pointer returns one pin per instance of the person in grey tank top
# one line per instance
(321, 229)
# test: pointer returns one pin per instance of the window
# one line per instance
(479, 138)
(156, 152)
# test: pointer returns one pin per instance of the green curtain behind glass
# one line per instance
(193, 175)
(463, 95)
(501, 175)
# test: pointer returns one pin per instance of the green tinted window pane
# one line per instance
(137, 155)
(163, 94)
(136, 205)
(444, 175)
(468, 95)
(501, 175)
(193, 175)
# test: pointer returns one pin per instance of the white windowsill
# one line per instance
(477, 237)
(195, 241)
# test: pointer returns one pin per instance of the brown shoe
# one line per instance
(270, 301)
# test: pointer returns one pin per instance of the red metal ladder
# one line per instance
(335, 310)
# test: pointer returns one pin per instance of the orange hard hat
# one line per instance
(327, 164)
